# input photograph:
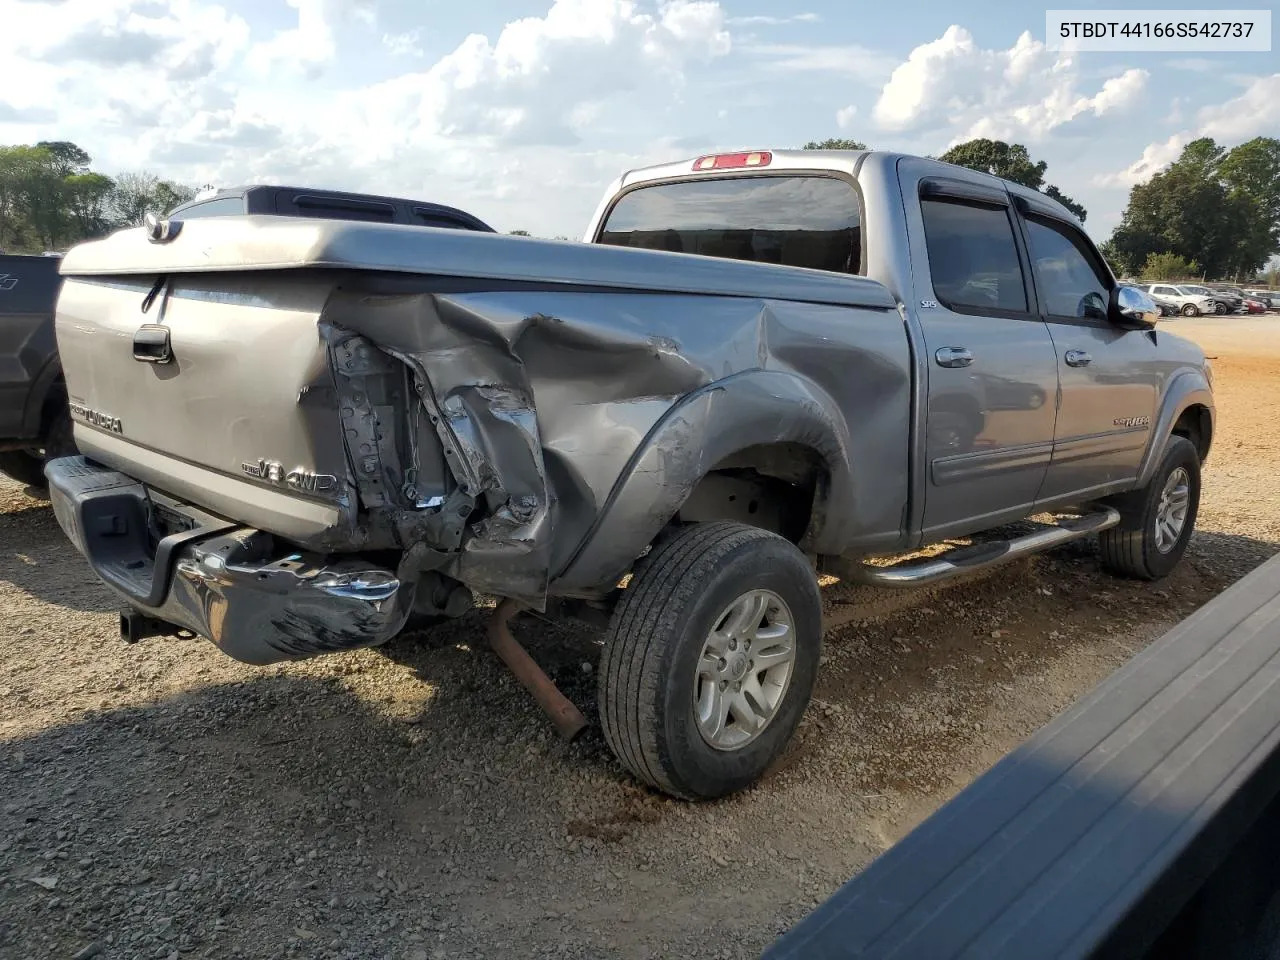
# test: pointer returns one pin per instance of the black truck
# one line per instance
(35, 424)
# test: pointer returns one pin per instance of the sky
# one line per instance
(524, 111)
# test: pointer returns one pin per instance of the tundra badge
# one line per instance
(272, 471)
(1131, 421)
(95, 417)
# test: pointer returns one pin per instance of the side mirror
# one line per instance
(1132, 309)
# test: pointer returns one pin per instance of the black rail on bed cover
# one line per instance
(1138, 823)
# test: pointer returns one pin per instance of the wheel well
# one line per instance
(780, 487)
(1196, 425)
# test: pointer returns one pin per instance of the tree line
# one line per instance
(50, 199)
(1214, 213)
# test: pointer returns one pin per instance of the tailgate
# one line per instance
(240, 418)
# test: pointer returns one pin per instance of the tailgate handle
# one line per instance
(151, 344)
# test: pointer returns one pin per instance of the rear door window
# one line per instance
(973, 258)
(800, 221)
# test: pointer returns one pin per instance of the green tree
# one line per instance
(1251, 175)
(1009, 161)
(50, 198)
(88, 199)
(834, 143)
(138, 193)
(1169, 266)
(519, 233)
(1005, 160)
(1211, 206)
(18, 166)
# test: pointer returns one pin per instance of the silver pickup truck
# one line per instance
(759, 367)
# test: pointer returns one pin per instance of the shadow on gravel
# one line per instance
(365, 814)
(38, 559)
(278, 817)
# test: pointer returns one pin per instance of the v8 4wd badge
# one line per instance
(299, 478)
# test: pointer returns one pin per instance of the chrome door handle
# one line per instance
(953, 357)
(1078, 358)
(151, 344)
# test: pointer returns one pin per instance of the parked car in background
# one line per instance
(1167, 306)
(1268, 298)
(1254, 306)
(34, 421)
(1229, 299)
(1189, 301)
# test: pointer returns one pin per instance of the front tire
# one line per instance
(1190, 310)
(1157, 521)
(710, 659)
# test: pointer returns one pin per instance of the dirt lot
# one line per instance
(161, 801)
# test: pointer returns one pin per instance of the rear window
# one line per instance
(225, 207)
(802, 221)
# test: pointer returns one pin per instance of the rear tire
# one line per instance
(683, 660)
(27, 466)
(1157, 521)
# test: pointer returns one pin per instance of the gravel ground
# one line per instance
(161, 801)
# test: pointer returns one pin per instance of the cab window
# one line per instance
(1069, 283)
(800, 221)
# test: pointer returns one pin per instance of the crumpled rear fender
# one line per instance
(745, 410)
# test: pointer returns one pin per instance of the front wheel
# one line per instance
(1189, 310)
(710, 659)
(1156, 522)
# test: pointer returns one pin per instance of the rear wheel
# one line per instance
(27, 466)
(1157, 521)
(710, 659)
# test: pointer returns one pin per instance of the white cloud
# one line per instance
(1120, 93)
(859, 63)
(1253, 113)
(1154, 158)
(403, 44)
(182, 39)
(1256, 112)
(1023, 92)
(845, 116)
(312, 43)
(767, 21)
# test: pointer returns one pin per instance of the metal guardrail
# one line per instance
(1143, 821)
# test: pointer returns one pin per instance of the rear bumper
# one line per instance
(258, 600)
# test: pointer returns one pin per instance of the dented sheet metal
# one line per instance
(585, 417)
(523, 416)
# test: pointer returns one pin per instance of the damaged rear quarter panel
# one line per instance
(586, 416)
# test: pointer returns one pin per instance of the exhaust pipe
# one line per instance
(135, 626)
(567, 718)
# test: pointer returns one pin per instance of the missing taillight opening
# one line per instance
(731, 161)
